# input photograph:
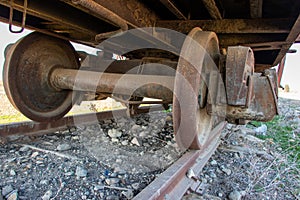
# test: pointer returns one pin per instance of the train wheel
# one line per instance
(27, 68)
(199, 55)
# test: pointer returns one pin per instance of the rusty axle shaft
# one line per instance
(159, 87)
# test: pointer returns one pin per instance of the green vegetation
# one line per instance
(283, 135)
(5, 119)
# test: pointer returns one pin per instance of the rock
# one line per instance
(47, 195)
(35, 154)
(135, 127)
(63, 147)
(235, 195)
(168, 118)
(128, 194)
(6, 190)
(112, 181)
(213, 162)
(114, 133)
(226, 170)
(112, 197)
(135, 186)
(254, 139)
(12, 172)
(135, 141)
(262, 130)
(99, 187)
(24, 148)
(69, 173)
(80, 172)
(44, 182)
(143, 134)
(12, 195)
(124, 143)
(114, 140)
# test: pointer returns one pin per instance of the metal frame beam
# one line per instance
(256, 8)
(291, 38)
(212, 9)
(228, 26)
(172, 7)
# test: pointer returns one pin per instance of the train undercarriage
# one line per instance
(210, 59)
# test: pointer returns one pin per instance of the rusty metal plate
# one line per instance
(239, 69)
(27, 68)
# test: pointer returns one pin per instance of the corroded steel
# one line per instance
(106, 15)
(27, 66)
(174, 182)
(32, 128)
(199, 54)
(151, 86)
(239, 69)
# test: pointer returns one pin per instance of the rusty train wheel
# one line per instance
(199, 56)
(27, 67)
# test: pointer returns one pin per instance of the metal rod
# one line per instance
(152, 86)
(105, 14)
(212, 9)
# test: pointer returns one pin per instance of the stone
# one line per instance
(24, 148)
(135, 141)
(6, 190)
(63, 147)
(142, 134)
(114, 140)
(12, 195)
(168, 118)
(114, 133)
(99, 187)
(44, 182)
(34, 154)
(124, 143)
(135, 186)
(12, 172)
(128, 194)
(135, 127)
(80, 172)
(226, 170)
(47, 195)
(112, 181)
(262, 130)
(235, 195)
(213, 162)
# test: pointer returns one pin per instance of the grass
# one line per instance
(5, 119)
(282, 135)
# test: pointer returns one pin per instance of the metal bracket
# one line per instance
(11, 14)
(239, 69)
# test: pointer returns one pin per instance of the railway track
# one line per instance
(173, 183)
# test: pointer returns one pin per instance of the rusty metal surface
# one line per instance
(27, 66)
(239, 69)
(159, 87)
(105, 15)
(231, 26)
(175, 181)
(212, 8)
(32, 128)
(199, 54)
(292, 37)
(280, 70)
(174, 9)
(263, 105)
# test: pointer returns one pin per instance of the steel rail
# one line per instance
(35, 128)
(182, 175)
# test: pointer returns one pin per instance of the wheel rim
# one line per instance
(27, 68)
(192, 124)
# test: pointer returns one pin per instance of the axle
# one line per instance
(159, 87)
